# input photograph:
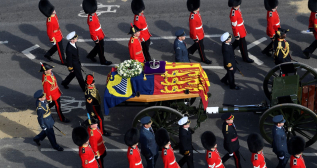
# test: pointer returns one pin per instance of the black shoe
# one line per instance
(207, 62)
(225, 82)
(65, 86)
(236, 88)
(48, 57)
(267, 53)
(66, 120)
(106, 133)
(249, 60)
(59, 149)
(106, 63)
(37, 142)
(306, 54)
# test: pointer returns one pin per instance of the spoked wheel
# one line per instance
(307, 76)
(300, 121)
(162, 117)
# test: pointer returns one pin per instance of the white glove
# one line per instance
(150, 158)
(281, 157)
(53, 43)
(44, 129)
(230, 154)
(97, 157)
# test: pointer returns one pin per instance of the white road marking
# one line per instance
(305, 32)
(27, 52)
(108, 150)
(255, 43)
(4, 42)
(70, 103)
(100, 10)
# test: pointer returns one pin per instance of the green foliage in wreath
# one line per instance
(129, 68)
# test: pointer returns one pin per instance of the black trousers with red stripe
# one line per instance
(99, 114)
(100, 50)
(57, 104)
(100, 160)
(200, 47)
(236, 157)
(60, 49)
(145, 47)
(242, 43)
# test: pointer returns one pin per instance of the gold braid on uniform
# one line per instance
(279, 48)
(47, 111)
(94, 93)
(45, 80)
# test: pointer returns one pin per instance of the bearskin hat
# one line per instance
(80, 135)
(137, 6)
(131, 137)
(296, 145)
(312, 5)
(270, 4)
(232, 3)
(46, 8)
(255, 143)
(90, 6)
(193, 5)
(162, 137)
(208, 139)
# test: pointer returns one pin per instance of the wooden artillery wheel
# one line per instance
(300, 121)
(307, 76)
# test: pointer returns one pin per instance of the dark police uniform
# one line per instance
(181, 53)
(281, 48)
(185, 145)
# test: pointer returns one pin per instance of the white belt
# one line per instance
(144, 28)
(219, 164)
(139, 163)
(200, 27)
(98, 28)
(278, 23)
(240, 24)
(92, 160)
(172, 162)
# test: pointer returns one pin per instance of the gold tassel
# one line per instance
(144, 78)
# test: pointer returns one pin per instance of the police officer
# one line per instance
(163, 141)
(273, 23)
(255, 145)
(73, 62)
(181, 53)
(93, 102)
(196, 30)
(209, 142)
(230, 141)
(296, 146)
(238, 29)
(53, 30)
(45, 120)
(185, 143)
(131, 139)
(96, 33)
(138, 7)
(52, 91)
(229, 61)
(279, 143)
(135, 47)
(281, 48)
(81, 138)
(149, 148)
(312, 27)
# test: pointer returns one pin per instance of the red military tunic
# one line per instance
(95, 30)
(53, 30)
(258, 160)
(87, 157)
(297, 162)
(237, 23)
(313, 23)
(134, 157)
(135, 49)
(213, 159)
(168, 157)
(96, 141)
(140, 22)
(196, 30)
(50, 87)
(273, 23)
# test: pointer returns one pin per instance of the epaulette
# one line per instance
(209, 154)
(295, 162)
(131, 151)
(82, 150)
(89, 100)
(70, 68)
(49, 19)
(271, 14)
(132, 40)
(90, 18)
(45, 79)
(229, 65)
(91, 133)
(192, 16)
(137, 18)
(226, 129)
(165, 151)
(232, 13)
(256, 157)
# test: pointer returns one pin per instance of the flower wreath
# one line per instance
(129, 68)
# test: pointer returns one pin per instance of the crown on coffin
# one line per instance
(154, 64)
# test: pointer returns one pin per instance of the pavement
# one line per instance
(23, 42)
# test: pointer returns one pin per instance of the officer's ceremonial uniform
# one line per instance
(279, 143)
(185, 144)
(231, 142)
(296, 146)
(139, 20)
(239, 30)
(46, 121)
(96, 33)
(73, 63)
(181, 53)
(53, 31)
(196, 30)
(208, 139)
(281, 48)
(255, 145)
(131, 139)
(312, 27)
(52, 91)
(80, 137)
(273, 23)
(135, 47)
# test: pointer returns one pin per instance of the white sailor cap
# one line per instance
(183, 121)
(225, 37)
(71, 35)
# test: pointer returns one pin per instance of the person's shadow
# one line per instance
(31, 30)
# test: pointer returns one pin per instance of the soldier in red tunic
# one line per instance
(96, 33)
(163, 140)
(196, 30)
(52, 90)
(131, 138)
(273, 23)
(312, 27)
(209, 142)
(53, 31)
(139, 20)
(296, 146)
(135, 47)
(238, 29)
(81, 138)
(255, 145)
(96, 140)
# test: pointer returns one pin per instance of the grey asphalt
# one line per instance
(23, 26)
